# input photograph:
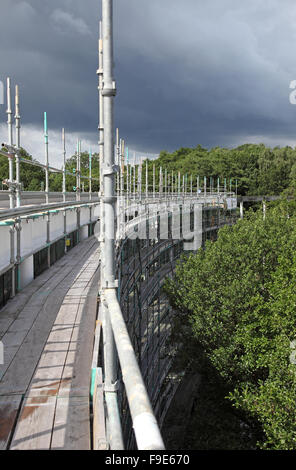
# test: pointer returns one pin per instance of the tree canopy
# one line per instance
(259, 170)
(236, 301)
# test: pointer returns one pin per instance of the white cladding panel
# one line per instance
(84, 215)
(95, 213)
(33, 235)
(84, 233)
(26, 271)
(39, 235)
(56, 225)
(71, 220)
(4, 246)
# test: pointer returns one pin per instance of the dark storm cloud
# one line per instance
(214, 73)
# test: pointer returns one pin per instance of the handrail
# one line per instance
(24, 210)
(145, 426)
(42, 165)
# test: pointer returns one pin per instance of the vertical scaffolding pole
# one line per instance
(64, 185)
(18, 188)
(47, 187)
(147, 179)
(140, 180)
(131, 179)
(18, 145)
(9, 113)
(64, 164)
(101, 104)
(46, 159)
(10, 143)
(77, 170)
(122, 199)
(134, 175)
(117, 150)
(108, 92)
(121, 167)
(127, 176)
(153, 181)
(11, 182)
(101, 144)
(101, 163)
(241, 209)
(79, 174)
(90, 165)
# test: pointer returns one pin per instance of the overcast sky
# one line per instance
(188, 72)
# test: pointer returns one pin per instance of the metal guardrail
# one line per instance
(15, 252)
(43, 208)
(145, 426)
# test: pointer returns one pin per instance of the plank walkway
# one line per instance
(48, 333)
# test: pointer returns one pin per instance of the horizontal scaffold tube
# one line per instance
(26, 210)
(145, 426)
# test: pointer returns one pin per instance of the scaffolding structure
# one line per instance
(135, 314)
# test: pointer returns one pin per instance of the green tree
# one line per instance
(259, 170)
(237, 300)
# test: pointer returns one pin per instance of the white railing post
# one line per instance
(10, 144)
(18, 145)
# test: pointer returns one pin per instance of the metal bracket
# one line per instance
(111, 387)
(110, 170)
(109, 91)
(11, 148)
(110, 284)
(13, 185)
(109, 199)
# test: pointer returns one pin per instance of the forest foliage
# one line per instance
(236, 303)
(259, 170)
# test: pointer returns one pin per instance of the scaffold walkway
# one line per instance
(47, 330)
